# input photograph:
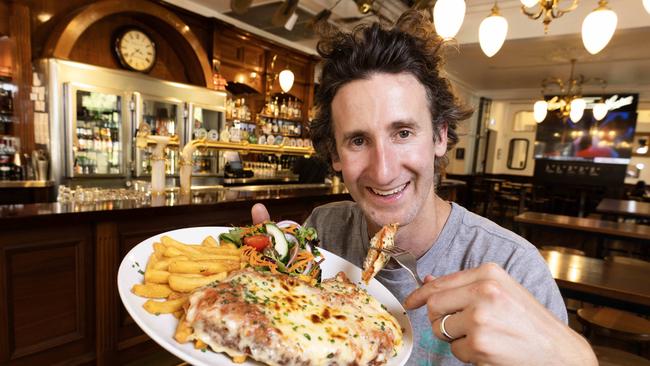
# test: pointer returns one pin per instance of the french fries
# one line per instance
(152, 290)
(175, 269)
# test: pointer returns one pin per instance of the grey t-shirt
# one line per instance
(466, 241)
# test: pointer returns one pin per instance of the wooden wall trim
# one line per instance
(61, 41)
(19, 28)
(31, 249)
(107, 258)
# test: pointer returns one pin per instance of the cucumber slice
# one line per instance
(281, 245)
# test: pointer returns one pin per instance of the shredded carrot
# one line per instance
(255, 258)
(302, 260)
(291, 229)
(250, 229)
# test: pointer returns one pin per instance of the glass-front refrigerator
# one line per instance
(163, 116)
(95, 131)
(205, 122)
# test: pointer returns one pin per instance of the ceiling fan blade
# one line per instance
(240, 6)
(283, 12)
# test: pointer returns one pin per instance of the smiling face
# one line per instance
(384, 142)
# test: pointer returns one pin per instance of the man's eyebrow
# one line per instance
(405, 123)
(355, 133)
(410, 123)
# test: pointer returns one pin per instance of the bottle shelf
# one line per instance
(280, 118)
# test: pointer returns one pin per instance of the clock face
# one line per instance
(136, 50)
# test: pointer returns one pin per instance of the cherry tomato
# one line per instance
(259, 242)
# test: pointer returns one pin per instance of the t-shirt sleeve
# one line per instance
(532, 272)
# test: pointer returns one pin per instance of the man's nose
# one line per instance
(383, 163)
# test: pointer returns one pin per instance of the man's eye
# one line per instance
(357, 141)
(404, 134)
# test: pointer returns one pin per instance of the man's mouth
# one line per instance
(389, 192)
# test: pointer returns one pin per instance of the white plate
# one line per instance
(161, 328)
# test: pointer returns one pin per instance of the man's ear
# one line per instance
(440, 147)
(336, 162)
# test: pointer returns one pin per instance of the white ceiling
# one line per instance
(527, 56)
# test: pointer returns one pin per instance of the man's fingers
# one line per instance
(452, 325)
(488, 271)
(259, 213)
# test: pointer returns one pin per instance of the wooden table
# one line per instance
(624, 208)
(599, 229)
(623, 286)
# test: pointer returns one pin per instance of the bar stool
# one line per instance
(616, 324)
(615, 357)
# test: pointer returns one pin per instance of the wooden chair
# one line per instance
(615, 357)
(564, 250)
(631, 331)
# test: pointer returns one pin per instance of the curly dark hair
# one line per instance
(411, 46)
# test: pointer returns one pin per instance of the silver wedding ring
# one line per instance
(443, 330)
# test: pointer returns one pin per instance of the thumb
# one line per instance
(429, 278)
(259, 213)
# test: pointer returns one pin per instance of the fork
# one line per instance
(406, 260)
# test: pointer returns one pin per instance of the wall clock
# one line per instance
(135, 50)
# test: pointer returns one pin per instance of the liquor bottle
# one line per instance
(283, 109)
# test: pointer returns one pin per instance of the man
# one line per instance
(385, 121)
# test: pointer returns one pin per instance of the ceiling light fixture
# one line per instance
(646, 5)
(448, 17)
(643, 147)
(598, 28)
(548, 8)
(492, 32)
(285, 15)
(570, 103)
(286, 80)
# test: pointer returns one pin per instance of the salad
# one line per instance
(285, 247)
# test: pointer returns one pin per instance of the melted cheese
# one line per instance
(376, 259)
(335, 323)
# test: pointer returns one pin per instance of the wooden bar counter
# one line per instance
(59, 266)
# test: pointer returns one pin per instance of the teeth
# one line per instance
(389, 192)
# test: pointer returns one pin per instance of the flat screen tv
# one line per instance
(608, 141)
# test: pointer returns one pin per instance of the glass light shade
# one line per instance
(492, 33)
(286, 80)
(448, 16)
(529, 3)
(640, 166)
(646, 5)
(599, 111)
(577, 109)
(539, 110)
(291, 22)
(598, 29)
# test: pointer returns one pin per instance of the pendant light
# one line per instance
(286, 80)
(540, 109)
(529, 3)
(599, 110)
(492, 32)
(646, 5)
(598, 28)
(448, 16)
(577, 109)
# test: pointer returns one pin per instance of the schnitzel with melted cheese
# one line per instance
(280, 320)
(376, 259)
